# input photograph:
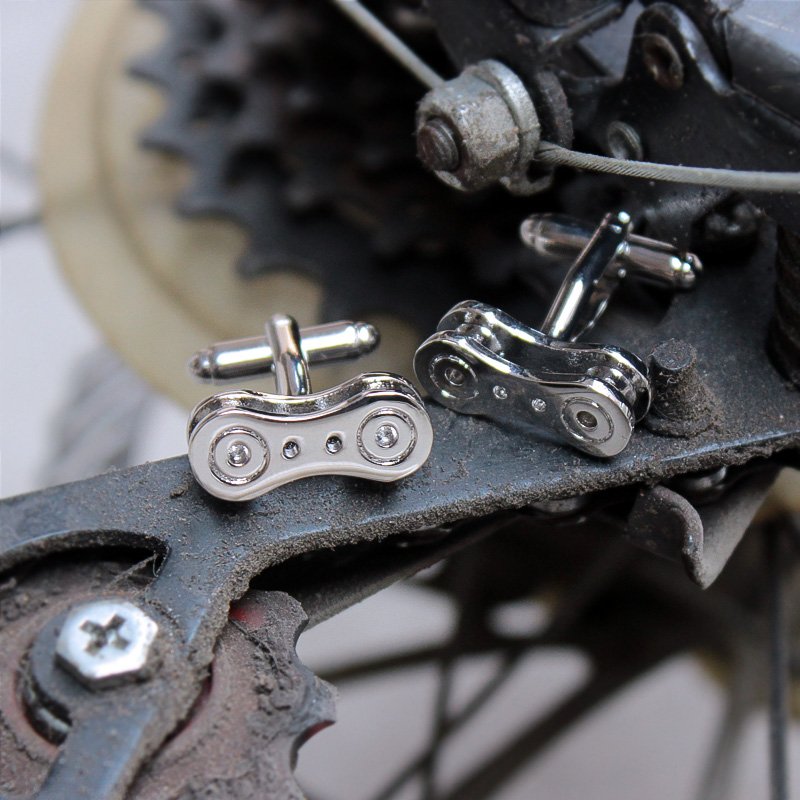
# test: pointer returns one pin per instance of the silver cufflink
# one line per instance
(243, 444)
(483, 361)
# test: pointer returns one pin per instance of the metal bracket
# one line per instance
(211, 551)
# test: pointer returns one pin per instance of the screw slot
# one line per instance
(500, 392)
(104, 635)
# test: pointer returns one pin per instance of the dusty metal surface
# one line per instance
(256, 706)
(212, 550)
(626, 612)
(209, 551)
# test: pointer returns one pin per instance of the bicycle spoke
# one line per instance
(373, 666)
(779, 670)
(452, 725)
(595, 579)
(11, 224)
(599, 575)
(485, 780)
(463, 580)
(443, 694)
(718, 773)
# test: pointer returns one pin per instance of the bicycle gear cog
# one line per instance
(241, 739)
(300, 129)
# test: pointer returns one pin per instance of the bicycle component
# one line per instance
(327, 185)
(590, 282)
(483, 361)
(479, 128)
(327, 585)
(750, 424)
(549, 154)
(320, 344)
(244, 444)
(105, 642)
(557, 236)
(258, 705)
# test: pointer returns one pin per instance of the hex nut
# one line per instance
(492, 119)
(106, 642)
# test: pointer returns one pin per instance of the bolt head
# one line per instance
(623, 141)
(486, 117)
(662, 61)
(106, 642)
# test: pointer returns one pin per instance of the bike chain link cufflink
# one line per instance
(243, 444)
(483, 361)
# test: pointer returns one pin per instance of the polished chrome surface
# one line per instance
(237, 472)
(288, 362)
(341, 431)
(589, 396)
(105, 642)
(557, 236)
(590, 282)
(243, 444)
(241, 358)
(387, 436)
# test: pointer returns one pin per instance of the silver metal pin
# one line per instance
(557, 236)
(288, 362)
(589, 284)
(241, 358)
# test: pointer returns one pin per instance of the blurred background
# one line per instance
(49, 342)
(71, 406)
